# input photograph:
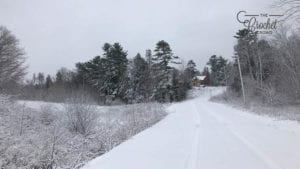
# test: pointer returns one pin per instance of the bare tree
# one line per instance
(12, 58)
(291, 9)
(288, 61)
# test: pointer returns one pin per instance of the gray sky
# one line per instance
(60, 33)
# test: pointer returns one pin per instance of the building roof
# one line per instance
(200, 77)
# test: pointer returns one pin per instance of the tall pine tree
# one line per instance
(190, 72)
(108, 73)
(139, 78)
(164, 61)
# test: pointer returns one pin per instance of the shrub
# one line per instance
(47, 116)
(81, 115)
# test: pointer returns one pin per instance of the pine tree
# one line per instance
(191, 67)
(163, 59)
(149, 58)
(108, 73)
(206, 73)
(217, 67)
(41, 79)
(246, 49)
(93, 73)
(149, 77)
(59, 78)
(48, 82)
(190, 72)
(116, 70)
(179, 87)
(139, 77)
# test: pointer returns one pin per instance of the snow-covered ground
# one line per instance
(36, 134)
(198, 134)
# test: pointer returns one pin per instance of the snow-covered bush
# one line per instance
(47, 115)
(45, 141)
(122, 122)
(141, 116)
(5, 102)
(81, 115)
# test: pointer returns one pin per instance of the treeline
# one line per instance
(270, 69)
(112, 77)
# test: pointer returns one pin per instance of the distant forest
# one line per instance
(112, 77)
(263, 69)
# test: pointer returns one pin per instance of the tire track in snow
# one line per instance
(265, 158)
(191, 161)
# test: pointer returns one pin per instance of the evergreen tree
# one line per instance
(217, 67)
(109, 73)
(191, 67)
(59, 78)
(247, 51)
(41, 79)
(206, 73)
(149, 58)
(93, 73)
(150, 83)
(116, 69)
(140, 75)
(48, 82)
(179, 87)
(163, 59)
(190, 72)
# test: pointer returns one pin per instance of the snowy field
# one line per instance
(37, 134)
(202, 134)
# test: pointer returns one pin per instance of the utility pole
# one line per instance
(225, 75)
(226, 82)
(260, 69)
(83, 83)
(241, 77)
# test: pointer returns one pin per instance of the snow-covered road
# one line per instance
(199, 134)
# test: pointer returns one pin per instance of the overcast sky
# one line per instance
(60, 33)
